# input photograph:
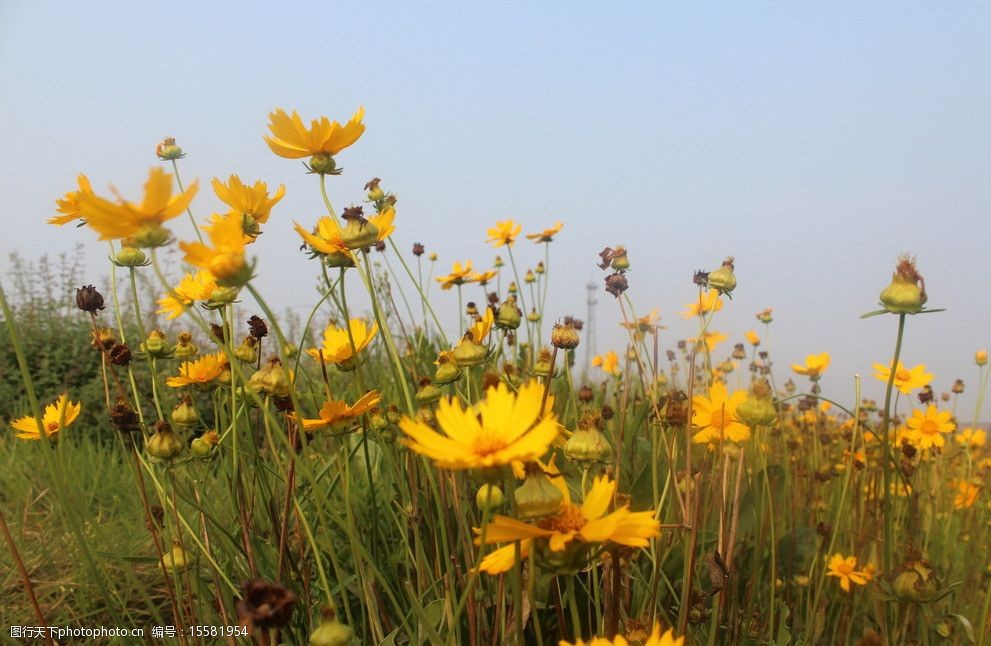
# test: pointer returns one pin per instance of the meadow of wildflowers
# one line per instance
(362, 478)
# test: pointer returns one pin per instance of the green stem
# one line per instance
(189, 212)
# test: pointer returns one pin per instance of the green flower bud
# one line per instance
(331, 632)
(175, 560)
(164, 444)
(184, 347)
(290, 350)
(902, 296)
(271, 379)
(131, 257)
(358, 232)
(564, 336)
(338, 259)
(469, 353)
(427, 394)
(154, 235)
(247, 352)
(202, 446)
(489, 498)
(323, 164)
(723, 280)
(448, 371)
(586, 445)
(184, 415)
(156, 345)
(508, 316)
(757, 409)
(916, 582)
(537, 497)
(223, 296)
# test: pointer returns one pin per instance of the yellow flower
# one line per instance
(293, 140)
(573, 524)
(656, 639)
(459, 275)
(200, 372)
(905, 380)
(752, 338)
(972, 438)
(712, 339)
(327, 235)
(225, 260)
(500, 429)
(966, 494)
(609, 362)
(190, 289)
(247, 201)
(481, 328)
(980, 357)
(716, 418)
(547, 235)
(68, 206)
(845, 568)
(927, 429)
(482, 278)
(645, 324)
(504, 233)
(123, 219)
(815, 365)
(336, 346)
(56, 417)
(337, 415)
(708, 302)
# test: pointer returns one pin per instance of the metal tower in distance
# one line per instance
(590, 350)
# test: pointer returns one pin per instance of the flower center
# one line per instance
(903, 375)
(51, 427)
(488, 443)
(844, 568)
(567, 520)
(929, 427)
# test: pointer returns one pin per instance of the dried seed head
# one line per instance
(257, 327)
(88, 299)
(265, 605)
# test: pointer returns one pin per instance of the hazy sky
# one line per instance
(813, 141)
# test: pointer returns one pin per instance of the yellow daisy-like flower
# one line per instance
(708, 302)
(656, 639)
(68, 206)
(715, 416)
(547, 235)
(123, 219)
(189, 290)
(815, 365)
(906, 380)
(588, 523)
(293, 140)
(247, 201)
(504, 233)
(336, 347)
(845, 568)
(926, 429)
(56, 417)
(337, 415)
(609, 362)
(200, 372)
(966, 494)
(225, 260)
(752, 338)
(500, 429)
(645, 324)
(972, 438)
(459, 275)
(712, 339)
(482, 278)
(326, 237)
(482, 327)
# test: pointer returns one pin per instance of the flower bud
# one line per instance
(757, 409)
(508, 316)
(130, 257)
(290, 350)
(152, 235)
(981, 357)
(323, 164)
(175, 560)
(489, 498)
(564, 337)
(427, 394)
(331, 632)
(271, 379)
(418, 249)
(202, 446)
(537, 497)
(247, 352)
(468, 353)
(167, 150)
(533, 316)
(156, 345)
(586, 445)
(164, 444)
(723, 280)
(447, 369)
(619, 261)
(184, 346)
(916, 582)
(543, 366)
(906, 294)
(88, 299)
(184, 415)
(529, 277)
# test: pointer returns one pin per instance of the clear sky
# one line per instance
(813, 141)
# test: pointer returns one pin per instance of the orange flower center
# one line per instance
(844, 568)
(903, 375)
(569, 519)
(929, 427)
(51, 427)
(488, 443)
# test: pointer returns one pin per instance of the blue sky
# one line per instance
(813, 141)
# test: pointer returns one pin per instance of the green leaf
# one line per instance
(874, 313)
